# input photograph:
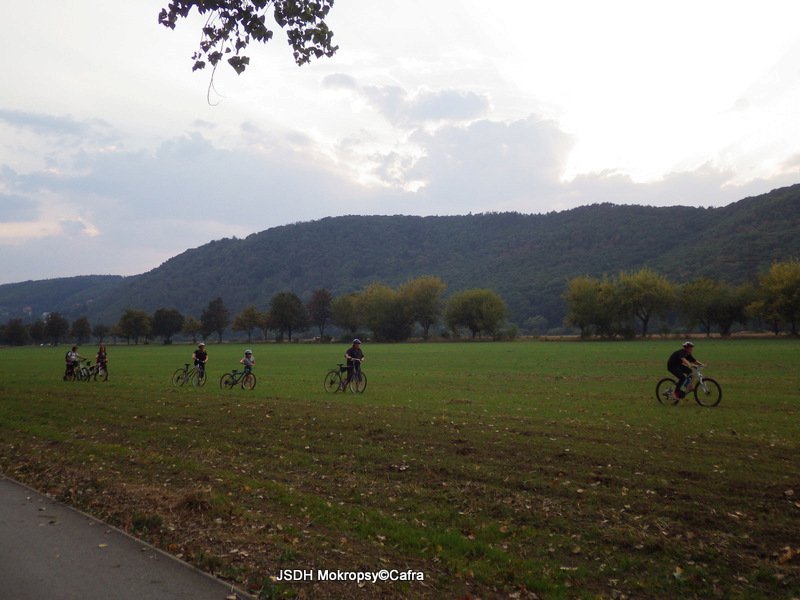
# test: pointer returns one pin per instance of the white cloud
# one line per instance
(112, 160)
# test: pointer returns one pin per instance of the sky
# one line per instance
(115, 156)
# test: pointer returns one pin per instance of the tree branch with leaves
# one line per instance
(231, 26)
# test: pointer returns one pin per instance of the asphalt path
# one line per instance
(49, 550)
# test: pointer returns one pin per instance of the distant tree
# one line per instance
(385, 314)
(583, 300)
(15, 333)
(192, 327)
(115, 332)
(695, 303)
(37, 331)
(166, 322)
(479, 310)
(645, 294)
(215, 318)
(730, 306)
(247, 321)
(287, 314)
(81, 330)
(779, 292)
(232, 24)
(423, 299)
(134, 324)
(319, 309)
(708, 302)
(346, 313)
(265, 323)
(100, 332)
(55, 327)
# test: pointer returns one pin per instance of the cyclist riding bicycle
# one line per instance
(354, 356)
(680, 364)
(200, 358)
(248, 360)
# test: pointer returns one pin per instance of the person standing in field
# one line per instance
(101, 358)
(200, 358)
(354, 356)
(680, 364)
(248, 360)
(72, 359)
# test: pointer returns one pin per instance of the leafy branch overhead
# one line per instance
(232, 24)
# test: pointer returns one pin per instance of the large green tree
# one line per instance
(707, 302)
(166, 323)
(479, 310)
(645, 294)
(134, 324)
(15, 333)
(779, 291)
(347, 314)
(192, 327)
(423, 299)
(287, 314)
(247, 321)
(55, 327)
(215, 318)
(232, 24)
(81, 330)
(319, 309)
(385, 313)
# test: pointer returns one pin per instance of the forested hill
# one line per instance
(527, 259)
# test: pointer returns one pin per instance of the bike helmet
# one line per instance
(356, 341)
(688, 344)
(248, 351)
(201, 345)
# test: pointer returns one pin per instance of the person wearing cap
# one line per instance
(200, 358)
(248, 360)
(354, 356)
(680, 364)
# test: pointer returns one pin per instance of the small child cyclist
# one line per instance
(248, 360)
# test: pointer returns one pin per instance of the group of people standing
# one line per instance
(72, 359)
(354, 356)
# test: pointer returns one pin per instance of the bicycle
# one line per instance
(335, 383)
(80, 372)
(194, 375)
(707, 392)
(229, 380)
(98, 372)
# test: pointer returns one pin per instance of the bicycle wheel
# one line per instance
(332, 381)
(227, 381)
(709, 393)
(664, 390)
(248, 381)
(179, 377)
(101, 375)
(199, 379)
(358, 383)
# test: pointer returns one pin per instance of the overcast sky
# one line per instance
(112, 158)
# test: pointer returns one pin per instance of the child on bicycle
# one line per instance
(248, 360)
(354, 356)
(200, 358)
(680, 364)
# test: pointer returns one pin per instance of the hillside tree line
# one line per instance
(380, 311)
(645, 302)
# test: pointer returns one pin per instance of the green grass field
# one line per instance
(516, 469)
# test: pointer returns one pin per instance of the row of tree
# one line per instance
(387, 314)
(633, 302)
